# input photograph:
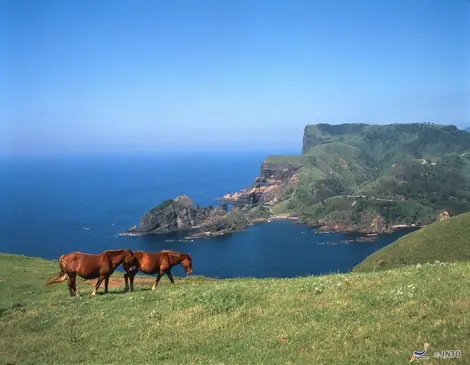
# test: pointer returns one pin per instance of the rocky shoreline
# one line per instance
(214, 223)
(368, 231)
(208, 228)
(209, 234)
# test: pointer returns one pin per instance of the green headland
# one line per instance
(370, 179)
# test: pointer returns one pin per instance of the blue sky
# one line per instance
(130, 75)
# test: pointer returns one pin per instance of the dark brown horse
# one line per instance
(89, 266)
(160, 262)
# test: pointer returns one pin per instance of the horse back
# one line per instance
(87, 265)
(149, 262)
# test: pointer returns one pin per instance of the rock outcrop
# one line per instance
(444, 215)
(171, 215)
(181, 214)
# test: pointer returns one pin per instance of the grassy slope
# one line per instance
(443, 241)
(372, 318)
(336, 159)
(282, 159)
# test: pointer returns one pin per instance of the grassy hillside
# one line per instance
(447, 241)
(407, 173)
(282, 159)
(372, 318)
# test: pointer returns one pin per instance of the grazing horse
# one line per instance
(160, 262)
(89, 266)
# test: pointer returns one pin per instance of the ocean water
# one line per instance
(52, 205)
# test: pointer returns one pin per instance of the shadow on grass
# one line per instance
(121, 292)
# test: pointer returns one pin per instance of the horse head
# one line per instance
(130, 262)
(187, 263)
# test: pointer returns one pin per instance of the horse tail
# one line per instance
(62, 275)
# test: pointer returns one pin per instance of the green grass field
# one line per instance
(448, 241)
(371, 318)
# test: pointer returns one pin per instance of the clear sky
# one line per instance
(127, 75)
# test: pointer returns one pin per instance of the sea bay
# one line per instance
(53, 205)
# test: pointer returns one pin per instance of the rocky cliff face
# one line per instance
(180, 214)
(275, 177)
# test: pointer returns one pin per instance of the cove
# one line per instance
(280, 249)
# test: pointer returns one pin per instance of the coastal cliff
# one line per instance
(369, 179)
(278, 173)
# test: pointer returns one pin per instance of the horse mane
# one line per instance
(115, 251)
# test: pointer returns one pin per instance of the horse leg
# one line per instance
(74, 285)
(71, 285)
(170, 276)
(160, 274)
(106, 282)
(132, 282)
(98, 283)
(126, 282)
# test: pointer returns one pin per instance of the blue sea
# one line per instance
(51, 205)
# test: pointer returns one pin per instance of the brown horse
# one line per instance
(161, 263)
(90, 266)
